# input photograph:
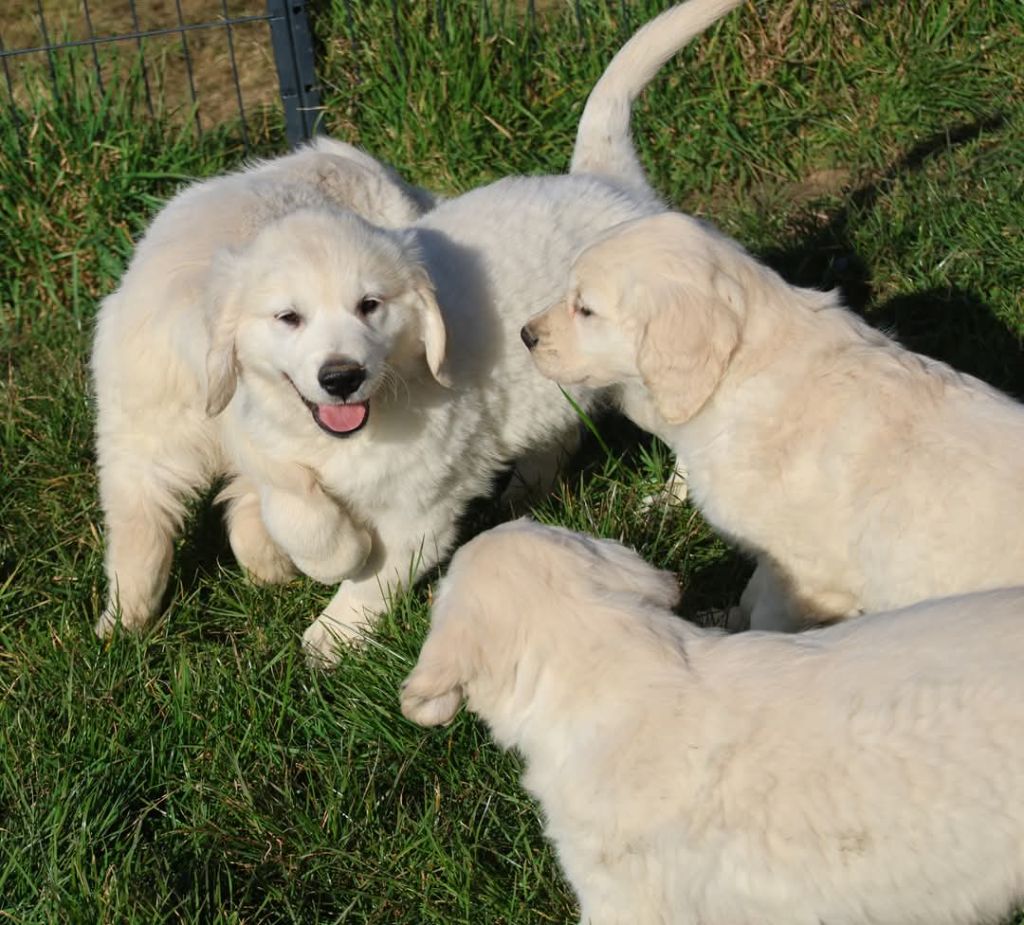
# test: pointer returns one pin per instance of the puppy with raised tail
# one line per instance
(862, 476)
(867, 773)
(357, 383)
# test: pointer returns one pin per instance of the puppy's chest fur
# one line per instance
(411, 453)
(415, 458)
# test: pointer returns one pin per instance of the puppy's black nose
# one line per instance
(340, 378)
(529, 338)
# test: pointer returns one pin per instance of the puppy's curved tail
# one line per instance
(604, 144)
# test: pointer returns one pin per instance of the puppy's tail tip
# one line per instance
(604, 144)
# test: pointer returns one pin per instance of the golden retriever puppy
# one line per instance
(357, 383)
(160, 368)
(862, 476)
(866, 772)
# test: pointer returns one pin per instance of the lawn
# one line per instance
(201, 773)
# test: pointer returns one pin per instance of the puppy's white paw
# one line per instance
(326, 639)
(349, 554)
(671, 494)
(106, 624)
(112, 618)
(259, 556)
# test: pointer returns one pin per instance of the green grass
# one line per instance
(201, 773)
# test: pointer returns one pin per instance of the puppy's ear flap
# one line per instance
(687, 343)
(432, 694)
(432, 329)
(223, 311)
(623, 571)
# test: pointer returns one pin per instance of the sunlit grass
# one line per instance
(202, 773)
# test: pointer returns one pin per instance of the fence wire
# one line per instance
(280, 29)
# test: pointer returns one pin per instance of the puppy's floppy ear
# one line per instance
(432, 694)
(432, 329)
(620, 570)
(223, 311)
(687, 342)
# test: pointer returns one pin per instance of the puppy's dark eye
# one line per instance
(368, 305)
(290, 317)
(583, 311)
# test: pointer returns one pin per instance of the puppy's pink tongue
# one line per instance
(342, 418)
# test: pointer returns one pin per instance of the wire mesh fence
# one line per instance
(206, 61)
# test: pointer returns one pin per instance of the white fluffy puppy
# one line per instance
(868, 772)
(864, 477)
(156, 445)
(323, 326)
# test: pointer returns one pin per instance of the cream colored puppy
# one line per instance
(870, 772)
(494, 256)
(862, 476)
(161, 364)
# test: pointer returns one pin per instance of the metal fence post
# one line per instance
(292, 39)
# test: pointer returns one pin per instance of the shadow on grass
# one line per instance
(951, 325)
(826, 258)
(202, 554)
(960, 329)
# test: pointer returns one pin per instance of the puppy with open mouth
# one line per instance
(156, 444)
(310, 331)
(356, 410)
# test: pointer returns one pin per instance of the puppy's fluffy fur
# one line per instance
(864, 477)
(160, 361)
(868, 772)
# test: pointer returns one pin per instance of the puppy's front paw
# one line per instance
(106, 624)
(349, 554)
(263, 562)
(113, 617)
(326, 639)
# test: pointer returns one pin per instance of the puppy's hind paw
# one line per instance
(107, 623)
(326, 640)
(672, 494)
(114, 618)
(264, 563)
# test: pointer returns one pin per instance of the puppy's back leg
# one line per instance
(253, 546)
(773, 604)
(764, 604)
(145, 482)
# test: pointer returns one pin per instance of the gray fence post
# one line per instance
(292, 39)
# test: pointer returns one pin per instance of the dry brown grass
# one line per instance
(165, 56)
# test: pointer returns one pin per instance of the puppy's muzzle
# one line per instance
(529, 338)
(340, 378)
